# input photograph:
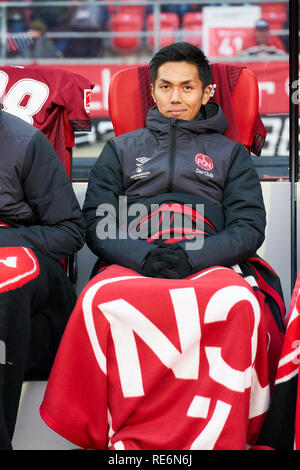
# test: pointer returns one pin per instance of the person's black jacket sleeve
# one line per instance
(104, 188)
(57, 228)
(244, 218)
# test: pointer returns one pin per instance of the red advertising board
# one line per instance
(227, 42)
(273, 82)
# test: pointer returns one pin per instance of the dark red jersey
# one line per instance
(55, 101)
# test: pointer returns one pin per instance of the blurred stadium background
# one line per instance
(96, 38)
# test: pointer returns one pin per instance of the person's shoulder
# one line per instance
(131, 136)
(220, 139)
(233, 149)
(14, 126)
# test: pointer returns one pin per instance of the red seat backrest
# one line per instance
(126, 22)
(130, 99)
(192, 22)
(168, 24)
(167, 20)
(192, 19)
(245, 100)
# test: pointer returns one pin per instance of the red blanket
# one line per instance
(150, 363)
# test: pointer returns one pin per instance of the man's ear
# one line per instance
(152, 92)
(206, 94)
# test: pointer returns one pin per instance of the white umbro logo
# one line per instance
(142, 160)
(140, 173)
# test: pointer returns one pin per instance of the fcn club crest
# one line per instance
(204, 161)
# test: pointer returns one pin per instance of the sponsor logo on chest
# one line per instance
(139, 171)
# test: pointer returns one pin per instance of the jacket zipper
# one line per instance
(172, 155)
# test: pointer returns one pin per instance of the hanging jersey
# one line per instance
(53, 100)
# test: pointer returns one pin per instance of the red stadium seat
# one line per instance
(192, 22)
(126, 23)
(168, 24)
(245, 100)
(130, 98)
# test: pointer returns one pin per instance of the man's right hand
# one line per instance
(167, 261)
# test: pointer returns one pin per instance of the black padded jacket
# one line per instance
(36, 196)
(180, 161)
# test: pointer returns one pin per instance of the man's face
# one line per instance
(261, 36)
(178, 91)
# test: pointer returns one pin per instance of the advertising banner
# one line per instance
(273, 82)
(225, 28)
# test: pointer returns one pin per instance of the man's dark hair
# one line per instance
(182, 52)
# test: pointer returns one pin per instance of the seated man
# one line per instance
(262, 42)
(172, 338)
(40, 224)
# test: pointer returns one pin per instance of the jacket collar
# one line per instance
(210, 119)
